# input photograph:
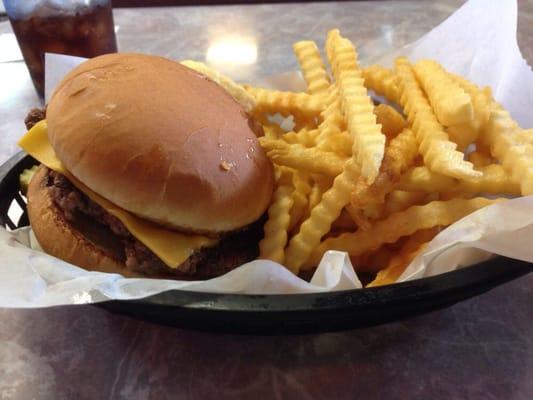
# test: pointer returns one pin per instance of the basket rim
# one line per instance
(475, 278)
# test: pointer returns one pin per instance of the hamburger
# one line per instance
(148, 168)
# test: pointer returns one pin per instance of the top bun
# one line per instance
(161, 141)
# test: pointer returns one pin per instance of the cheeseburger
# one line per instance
(148, 168)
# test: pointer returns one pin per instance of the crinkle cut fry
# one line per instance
(334, 138)
(322, 216)
(465, 134)
(270, 143)
(332, 119)
(358, 109)
(495, 180)
(304, 137)
(397, 225)
(400, 200)
(382, 81)
(302, 122)
(334, 200)
(480, 159)
(439, 152)
(309, 160)
(315, 195)
(302, 188)
(452, 105)
(345, 222)
(340, 143)
(312, 66)
(272, 246)
(401, 260)
(400, 154)
(272, 131)
(512, 146)
(236, 91)
(396, 201)
(286, 103)
(333, 124)
(333, 35)
(391, 121)
(481, 101)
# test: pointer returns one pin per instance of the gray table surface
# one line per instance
(481, 348)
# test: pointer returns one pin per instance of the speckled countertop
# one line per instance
(481, 348)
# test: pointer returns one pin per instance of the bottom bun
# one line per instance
(61, 239)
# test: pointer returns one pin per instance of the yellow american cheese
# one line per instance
(171, 247)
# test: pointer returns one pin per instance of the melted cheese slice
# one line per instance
(171, 247)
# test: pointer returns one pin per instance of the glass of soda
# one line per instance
(82, 28)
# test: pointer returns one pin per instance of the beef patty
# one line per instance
(232, 250)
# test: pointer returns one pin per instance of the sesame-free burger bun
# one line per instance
(59, 238)
(161, 141)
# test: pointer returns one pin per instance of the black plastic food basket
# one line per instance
(275, 314)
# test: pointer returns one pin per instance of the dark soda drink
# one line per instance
(87, 32)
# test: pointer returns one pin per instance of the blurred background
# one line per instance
(155, 3)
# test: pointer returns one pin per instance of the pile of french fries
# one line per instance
(379, 181)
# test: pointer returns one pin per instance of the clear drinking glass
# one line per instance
(76, 27)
